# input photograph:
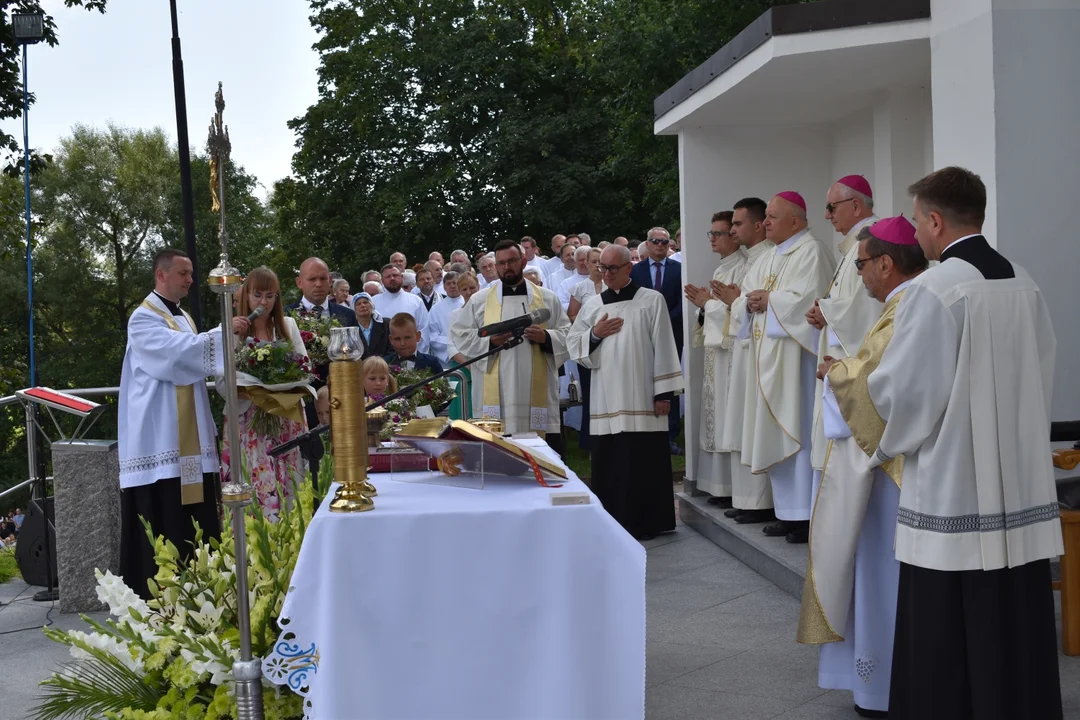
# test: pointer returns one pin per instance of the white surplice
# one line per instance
(515, 365)
(389, 304)
(631, 367)
(749, 491)
(438, 332)
(550, 266)
(779, 416)
(711, 329)
(156, 361)
(563, 291)
(556, 277)
(979, 491)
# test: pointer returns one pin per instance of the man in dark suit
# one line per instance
(314, 282)
(404, 336)
(659, 272)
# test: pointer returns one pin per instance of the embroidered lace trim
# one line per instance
(976, 522)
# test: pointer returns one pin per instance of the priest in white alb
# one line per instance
(624, 336)
(965, 388)
(778, 418)
(439, 319)
(169, 466)
(751, 494)
(393, 300)
(844, 316)
(849, 598)
(520, 385)
(711, 329)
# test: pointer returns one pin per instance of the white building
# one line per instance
(892, 90)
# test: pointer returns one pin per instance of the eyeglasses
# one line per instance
(604, 269)
(659, 241)
(831, 207)
(506, 263)
(264, 295)
(862, 261)
(717, 234)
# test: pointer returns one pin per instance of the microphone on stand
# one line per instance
(536, 317)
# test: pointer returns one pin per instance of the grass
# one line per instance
(8, 568)
(578, 459)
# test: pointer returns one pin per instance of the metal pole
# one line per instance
(236, 494)
(29, 238)
(187, 202)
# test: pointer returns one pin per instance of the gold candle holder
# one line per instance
(348, 417)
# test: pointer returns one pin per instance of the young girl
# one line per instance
(378, 382)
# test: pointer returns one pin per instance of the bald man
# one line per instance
(778, 416)
(399, 261)
(554, 263)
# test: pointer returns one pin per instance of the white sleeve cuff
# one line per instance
(832, 421)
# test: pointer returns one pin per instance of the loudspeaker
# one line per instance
(30, 551)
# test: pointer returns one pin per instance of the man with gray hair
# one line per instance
(584, 238)
(372, 288)
(581, 262)
(460, 256)
(488, 272)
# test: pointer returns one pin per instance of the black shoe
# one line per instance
(749, 517)
(800, 532)
(733, 513)
(675, 449)
(871, 713)
(724, 502)
(644, 538)
(778, 529)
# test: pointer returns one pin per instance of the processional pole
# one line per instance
(225, 280)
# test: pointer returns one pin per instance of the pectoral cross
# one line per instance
(770, 283)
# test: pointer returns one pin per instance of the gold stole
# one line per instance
(191, 474)
(849, 379)
(538, 409)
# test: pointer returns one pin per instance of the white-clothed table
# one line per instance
(460, 604)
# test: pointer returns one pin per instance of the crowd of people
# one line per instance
(877, 396)
(10, 525)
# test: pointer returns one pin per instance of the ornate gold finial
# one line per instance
(220, 147)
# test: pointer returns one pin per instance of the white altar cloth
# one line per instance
(446, 603)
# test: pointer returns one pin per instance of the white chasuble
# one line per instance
(631, 367)
(849, 312)
(965, 388)
(711, 329)
(165, 366)
(508, 385)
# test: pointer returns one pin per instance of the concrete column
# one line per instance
(900, 152)
(1005, 107)
(87, 501)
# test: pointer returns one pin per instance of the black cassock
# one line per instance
(159, 504)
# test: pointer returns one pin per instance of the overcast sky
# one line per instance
(118, 66)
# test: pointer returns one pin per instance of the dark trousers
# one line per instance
(975, 645)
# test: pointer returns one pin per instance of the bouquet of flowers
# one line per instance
(274, 378)
(315, 332)
(397, 412)
(437, 393)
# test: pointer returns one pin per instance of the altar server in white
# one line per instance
(711, 329)
(779, 416)
(567, 268)
(844, 316)
(849, 599)
(439, 319)
(965, 389)
(581, 274)
(624, 336)
(393, 300)
(167, 439)
(751, 494)
(520, 385)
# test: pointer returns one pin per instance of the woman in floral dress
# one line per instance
(272, 479)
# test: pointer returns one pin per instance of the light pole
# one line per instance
(29, 29)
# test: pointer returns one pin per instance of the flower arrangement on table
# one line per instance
(398, 412)
(437, 394)
(172, 657)
(274, 378)
(315, 332)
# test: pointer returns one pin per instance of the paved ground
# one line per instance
(720, 644)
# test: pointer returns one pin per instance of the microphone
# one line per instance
(257, 312)
(536, 317)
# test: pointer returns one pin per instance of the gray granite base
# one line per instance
(87, 501)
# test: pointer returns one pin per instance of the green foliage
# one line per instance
(8, 567)
(171, 657)
(11, 95)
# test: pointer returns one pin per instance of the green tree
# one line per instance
(11, 96)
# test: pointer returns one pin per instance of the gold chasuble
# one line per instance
(846, 483)
(538, 390)
(191, 472)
